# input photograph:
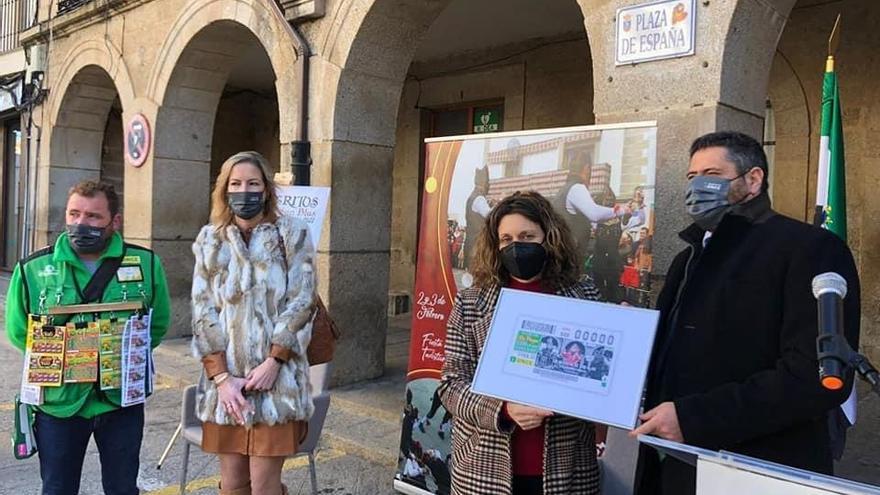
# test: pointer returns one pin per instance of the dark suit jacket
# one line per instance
(736, 344)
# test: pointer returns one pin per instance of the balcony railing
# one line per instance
(65, 6)
(15, 17)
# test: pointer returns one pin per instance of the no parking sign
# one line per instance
(137, 140)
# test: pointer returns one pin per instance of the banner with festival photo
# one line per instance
(601, 179)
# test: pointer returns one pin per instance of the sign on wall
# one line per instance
(655, 31)
(137, 140)
(486, 120)
(307, 203)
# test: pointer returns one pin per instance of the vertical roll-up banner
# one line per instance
(599, 178)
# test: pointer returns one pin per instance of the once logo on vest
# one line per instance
(131, 260)
(48, 271)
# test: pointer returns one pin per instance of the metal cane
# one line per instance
(170, 444)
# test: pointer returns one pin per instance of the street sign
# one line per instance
(137, 140)
(655, 31)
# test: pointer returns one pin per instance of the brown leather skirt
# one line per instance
(260, 440)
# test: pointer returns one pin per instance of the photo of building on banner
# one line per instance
(601, 180)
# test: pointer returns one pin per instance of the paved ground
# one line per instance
(356, 456)
(357, 453)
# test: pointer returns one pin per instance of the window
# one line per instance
(471, 119)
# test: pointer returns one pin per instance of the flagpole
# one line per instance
(833, 41)
(822, 181)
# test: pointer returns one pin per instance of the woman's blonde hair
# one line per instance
(561, 268)
(221, 213)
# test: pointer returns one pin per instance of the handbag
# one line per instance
(325, 333)
(24, 443)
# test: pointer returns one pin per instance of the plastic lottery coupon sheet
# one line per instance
(81, 356)
(567, 353)
(135, 360)
(110, 353)
(45, 354)
(579, 358)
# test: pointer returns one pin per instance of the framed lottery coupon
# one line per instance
(579, 358)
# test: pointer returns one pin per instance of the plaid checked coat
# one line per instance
(481, 438)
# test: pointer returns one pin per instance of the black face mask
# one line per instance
(707, 200)
(524, 260)
(85, 239)
(245, 205)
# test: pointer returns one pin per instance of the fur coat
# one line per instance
(247, 297)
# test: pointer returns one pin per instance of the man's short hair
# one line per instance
(91, 188)
(578, 161)
(743, 150)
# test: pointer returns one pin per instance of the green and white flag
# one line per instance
(831, 189)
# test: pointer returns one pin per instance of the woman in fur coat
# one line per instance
(253, 297)
(499, 447)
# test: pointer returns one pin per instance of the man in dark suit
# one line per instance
(734, 365)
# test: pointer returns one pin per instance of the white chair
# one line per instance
(191, 429)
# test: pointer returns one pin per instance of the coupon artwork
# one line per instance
(45, 355)
(81, 356)
(111, 353)
(571, 354)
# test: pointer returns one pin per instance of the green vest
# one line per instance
(55, 276)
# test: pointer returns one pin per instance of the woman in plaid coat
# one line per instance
(498, 447)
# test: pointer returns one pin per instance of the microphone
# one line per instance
(829, 289)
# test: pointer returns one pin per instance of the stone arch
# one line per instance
(368, 46)
(749, 48)
(185, 125)
(103, 55)
(795, 91)
(207, 44)
(265, 24)
(92, 80)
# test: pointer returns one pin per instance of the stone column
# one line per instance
(354, 255)
(357, 75)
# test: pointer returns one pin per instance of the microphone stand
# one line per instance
(865, 370)
(838, 348)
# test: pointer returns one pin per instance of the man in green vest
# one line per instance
(88, 263)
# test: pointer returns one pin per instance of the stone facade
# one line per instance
(171, 60)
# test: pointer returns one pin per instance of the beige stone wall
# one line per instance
(797, 112)
(11, 62)
(722, 86)
(364, 128)
(169, 60)
(546, 87)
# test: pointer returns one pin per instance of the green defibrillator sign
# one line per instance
(486, 120)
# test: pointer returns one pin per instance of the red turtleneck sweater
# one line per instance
(527, 446)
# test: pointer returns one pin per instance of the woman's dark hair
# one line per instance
(561, 268)
(575, 342)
